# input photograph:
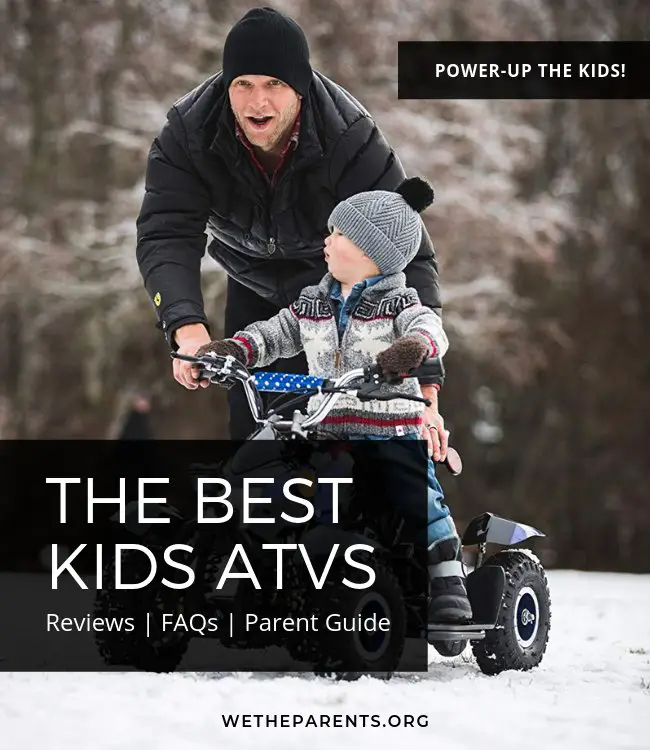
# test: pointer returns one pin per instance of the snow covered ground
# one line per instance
(591, 691)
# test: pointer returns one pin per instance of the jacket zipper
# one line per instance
(271, 245)
(338, 360)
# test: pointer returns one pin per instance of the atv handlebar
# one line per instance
(228, 370)
(363, 382)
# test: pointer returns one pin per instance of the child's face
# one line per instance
(346, 262)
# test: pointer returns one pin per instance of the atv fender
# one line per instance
(491, 529)
(485, 587)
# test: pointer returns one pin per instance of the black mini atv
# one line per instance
(508, 590)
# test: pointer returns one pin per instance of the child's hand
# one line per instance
(223, 349)
(405, 354)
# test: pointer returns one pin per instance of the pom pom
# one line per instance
(416, 192)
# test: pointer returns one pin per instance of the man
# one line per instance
(260, 154)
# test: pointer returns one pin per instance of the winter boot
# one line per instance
(448, 602)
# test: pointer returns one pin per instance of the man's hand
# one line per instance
(433, 430)
(189, 338)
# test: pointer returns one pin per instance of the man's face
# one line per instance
(265, 108)
(345, 261)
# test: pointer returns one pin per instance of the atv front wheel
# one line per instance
(521, 635)
(130, 646)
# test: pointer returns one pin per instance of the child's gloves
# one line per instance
(223, 349)
(402, 356)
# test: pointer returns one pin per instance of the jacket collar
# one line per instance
(390, 282)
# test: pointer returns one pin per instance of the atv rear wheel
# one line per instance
(373, 653)
(449, 648)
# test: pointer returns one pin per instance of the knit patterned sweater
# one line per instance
(385, 311)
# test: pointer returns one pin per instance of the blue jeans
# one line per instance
(440, 525)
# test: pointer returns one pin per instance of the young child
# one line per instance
(362, 313)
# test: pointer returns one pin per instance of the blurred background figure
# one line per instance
(134, 421)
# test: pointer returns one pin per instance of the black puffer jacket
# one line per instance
(270, 239)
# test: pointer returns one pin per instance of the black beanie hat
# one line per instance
(265, 42)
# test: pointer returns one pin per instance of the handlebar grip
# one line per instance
(430, 372)
(286, 382)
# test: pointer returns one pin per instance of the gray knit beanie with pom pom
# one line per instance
(385, 225)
